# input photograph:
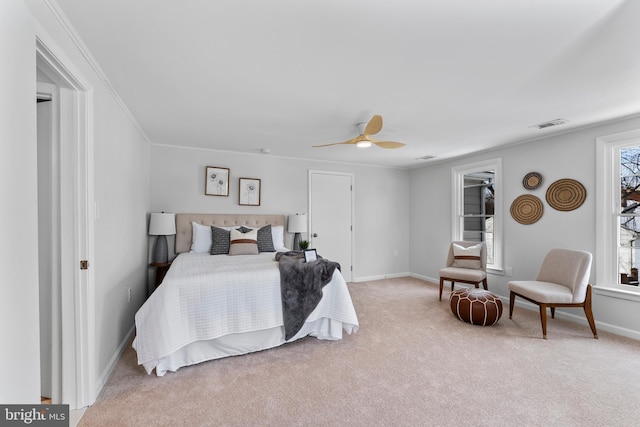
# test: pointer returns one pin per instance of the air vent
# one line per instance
(427, 157)
(550, 123)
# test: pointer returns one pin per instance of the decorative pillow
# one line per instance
(265, 241)
(243, 243)
(467, 257)
(200, 238)
(277, 234)
(219, 241)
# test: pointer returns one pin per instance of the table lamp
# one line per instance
(161, 225)
(297, 225)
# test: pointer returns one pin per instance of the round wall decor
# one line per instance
(526, 209)
(532, 180)
(566, 194)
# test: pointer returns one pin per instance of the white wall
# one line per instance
(381, 198)
(571, 155)
(121, 187)
(19, 353)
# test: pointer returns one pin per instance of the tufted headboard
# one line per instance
(184, 228)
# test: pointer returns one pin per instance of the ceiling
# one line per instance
(448, 77)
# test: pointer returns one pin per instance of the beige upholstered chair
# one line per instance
(563, 281)
(466, 265)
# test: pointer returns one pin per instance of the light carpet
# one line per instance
(412, 363)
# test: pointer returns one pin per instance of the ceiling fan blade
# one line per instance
(389, 144)
(374, 126)
(351, 141)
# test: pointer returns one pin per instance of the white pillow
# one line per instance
(243, 243)
(201, 238)
(467, 257)
(277, 234)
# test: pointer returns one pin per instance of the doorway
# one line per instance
(331, 217)
(48, 241)
(65, 233)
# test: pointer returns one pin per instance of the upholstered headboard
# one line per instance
(184, 228)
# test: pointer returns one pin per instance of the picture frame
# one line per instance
(216, 181)
(249, 191)
(310, 255)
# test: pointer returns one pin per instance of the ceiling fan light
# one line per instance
(363, 144)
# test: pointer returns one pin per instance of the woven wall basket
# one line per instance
(566, 194)
(532, 180)
(526, 209)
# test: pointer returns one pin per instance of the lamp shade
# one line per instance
(162, 224)
(297, 224)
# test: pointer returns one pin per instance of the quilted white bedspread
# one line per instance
(204, 297)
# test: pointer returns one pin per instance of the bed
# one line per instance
(214, 306)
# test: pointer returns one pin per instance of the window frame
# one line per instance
(457, 208)
(607, 214)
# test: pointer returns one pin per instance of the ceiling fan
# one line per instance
(364, 140)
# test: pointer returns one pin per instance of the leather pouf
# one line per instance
(476, 306)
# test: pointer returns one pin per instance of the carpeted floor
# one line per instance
(411, 364)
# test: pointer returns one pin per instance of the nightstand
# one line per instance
(161, 270)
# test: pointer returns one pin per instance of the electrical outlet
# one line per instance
(508, 271)
(129, 294)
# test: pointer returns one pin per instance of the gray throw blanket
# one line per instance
(301, 286)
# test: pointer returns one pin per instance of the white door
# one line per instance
(331, 217)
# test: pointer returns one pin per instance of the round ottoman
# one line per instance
(476, 306)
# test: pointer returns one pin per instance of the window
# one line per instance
(618, 212)
(477, 205)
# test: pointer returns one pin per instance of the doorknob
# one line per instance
(315, 234)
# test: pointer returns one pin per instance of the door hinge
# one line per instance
(84, 264)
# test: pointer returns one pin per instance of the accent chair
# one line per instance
(466, 263)
(563, 281)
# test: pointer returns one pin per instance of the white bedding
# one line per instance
(212, 306)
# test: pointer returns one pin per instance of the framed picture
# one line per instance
(217, 181)
(249, 194)
(310, 255)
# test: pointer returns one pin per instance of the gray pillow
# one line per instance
(219, 241)
(265, 241)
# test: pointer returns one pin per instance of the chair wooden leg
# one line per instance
(553, 312)
(543, 319)
(441, 285)
(512, 299)
(484, 284)
(452, 283)
(589, 313)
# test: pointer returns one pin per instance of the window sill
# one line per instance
(496, 271)
(616, 291)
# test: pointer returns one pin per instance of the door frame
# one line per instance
(351, 176)
(77, 299)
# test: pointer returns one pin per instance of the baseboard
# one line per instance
(425, 278)
(111, 366)
(380, 277)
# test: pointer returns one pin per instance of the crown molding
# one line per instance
(62, 19)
